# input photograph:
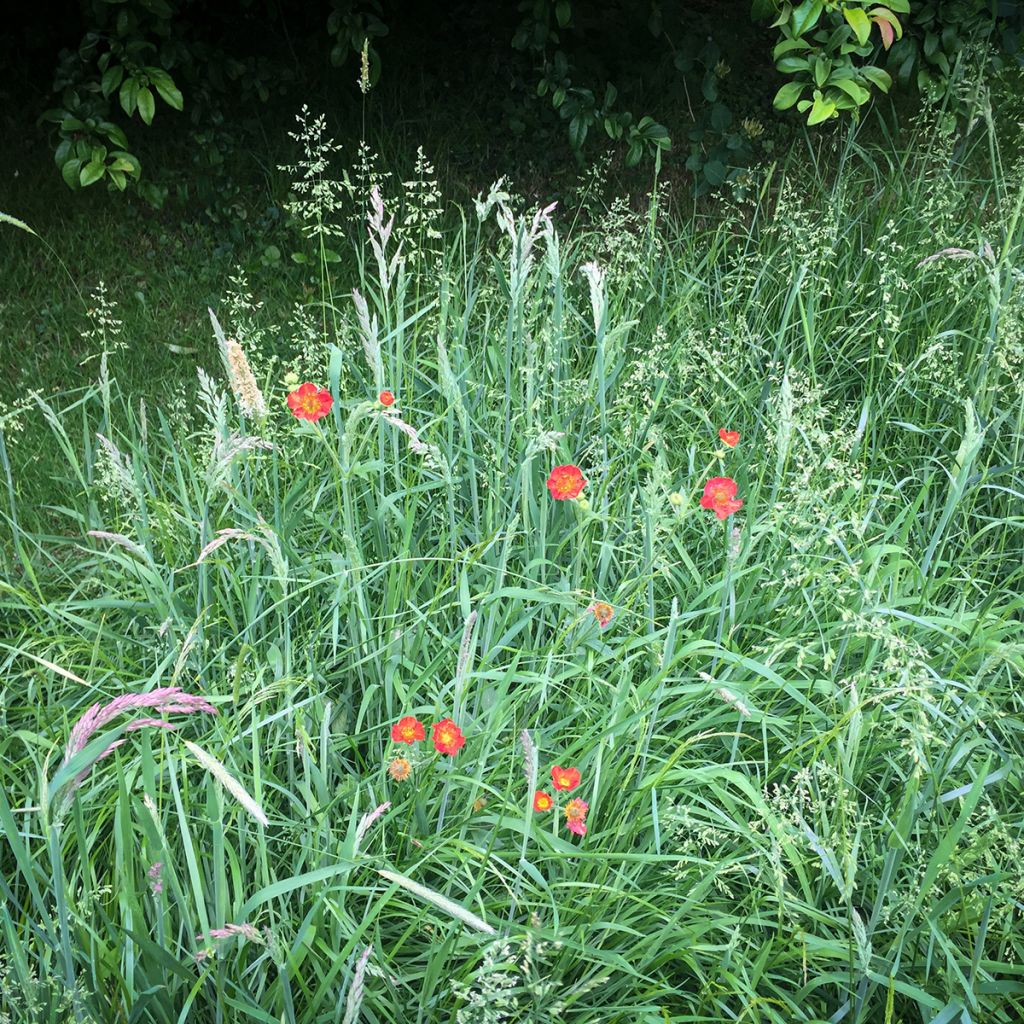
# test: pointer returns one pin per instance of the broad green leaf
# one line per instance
(147, 105)
(69, 172)
(111, 79)
(877, 77)
(806, 15)
(856, 92)
(821, 110)
(92, 172)
(788, 95)
(858, 21)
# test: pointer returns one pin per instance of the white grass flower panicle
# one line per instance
(104, 327)
(366, 823)
(371, 339)
(496, 196)
(421, 218)
(317, 197)
(354, 999)
(595, 279)
(379, 232)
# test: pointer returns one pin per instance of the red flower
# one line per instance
(565, 778)
(720, 496)
(542, 801)
(308, 402)
(386, 398)
(729, 437)
(602, 612)
(408, 730)
(575, 816)
(399, 769)
(565, 482)
(448, 738)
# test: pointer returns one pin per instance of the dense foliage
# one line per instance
(584, 624)
(649, 76)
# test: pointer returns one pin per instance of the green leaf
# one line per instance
(69, 172)
(821, 110)
(877, 77)
(858, 21)
(91, 173)
(147, 105)
(129, 96)
(169, 92)
(789, 44)
(791, 65)
(788, 95)
(111, 79)
(563, 12)
(856, 92)
(715, 172)
(806, 16)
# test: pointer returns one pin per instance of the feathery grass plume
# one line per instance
(122, 541)
(380, 235)
(431, 896)
(243, 381)
(367, 820)
(529, 758)
(223, 536)
(952, 253)
(364, 66)
(354, 1000)
(431, 454)
(465, 654)
(228, 781)
(169, 700)
(496, 196)
(243, 931)
(226, 449)
(735, 539)
(118, 467)
(732, 700)
(523, 239)
(371, 341)
(240, 375)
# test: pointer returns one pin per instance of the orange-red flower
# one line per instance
(565, 482)
(386, 398)
(448, 738)
(542, 801)
(308, 402)
(729, 437)
(408, 730)
(399, 769)
(576, 816)
(602, 612)
(565, 778)
(720, 496)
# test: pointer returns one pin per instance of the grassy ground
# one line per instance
(798, 736)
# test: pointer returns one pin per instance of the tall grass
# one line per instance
(798, 736)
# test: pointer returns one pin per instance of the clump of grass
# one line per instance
(794, 726)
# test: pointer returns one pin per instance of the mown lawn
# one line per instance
(797, 737)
